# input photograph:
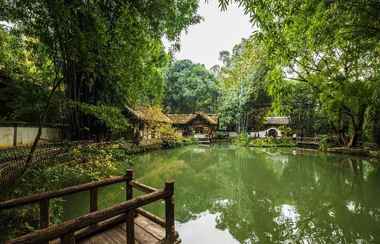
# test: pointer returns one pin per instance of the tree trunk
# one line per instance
(357, 127)
(73, 94)
(376, 127)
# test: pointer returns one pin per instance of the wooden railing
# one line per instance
(13, 160)
(98, 220)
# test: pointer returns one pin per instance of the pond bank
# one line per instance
(280, 187)
(364, 152)
(288, 143)
(85, 163)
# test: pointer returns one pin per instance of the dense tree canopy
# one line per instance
(241, 83)
(332, 47)
(105, 52)
(189, 88)
(318, 59)
(25, 75)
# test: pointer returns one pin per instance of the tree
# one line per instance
(241, 84)
(317, 43)
(107, 52)
(189, 88)
(25, 78)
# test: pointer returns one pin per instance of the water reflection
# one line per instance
(227, 194)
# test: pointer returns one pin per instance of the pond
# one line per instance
(230, 194)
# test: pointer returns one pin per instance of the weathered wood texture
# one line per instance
(13, 160)
(96, 221)
(146, 231)
(54, 194)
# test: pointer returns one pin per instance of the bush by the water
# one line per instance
(90, 164)
(272, 142)
(243, 139)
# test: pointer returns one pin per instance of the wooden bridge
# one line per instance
(125, 222)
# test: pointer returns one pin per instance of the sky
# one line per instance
(217, 32)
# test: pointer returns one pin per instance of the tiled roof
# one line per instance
(149, 114)
(187, 118)
(180, 118)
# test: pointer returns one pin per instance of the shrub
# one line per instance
(324, 142)
(242, 139)
(272, 142)
(90, 164)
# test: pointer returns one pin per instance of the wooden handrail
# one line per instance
(70, 226)
(60, 193)
(89, 223)
(151, 216)
(141, 187)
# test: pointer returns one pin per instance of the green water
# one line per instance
(228, 194)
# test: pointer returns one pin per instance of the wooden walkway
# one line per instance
(118, 224)
(146, 232)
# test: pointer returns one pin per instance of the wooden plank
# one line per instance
(151, 217)
(55, 231)
(108, 238)
(101, 226)
(69, 238)
(116, 235)
(152, 228)
(146, 232)
(144, 237)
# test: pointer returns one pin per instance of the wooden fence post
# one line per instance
(169, 213)
(44, 215)
(130, 223)
(93, 199)
(129, 189)
(94, 202)
(68, 238)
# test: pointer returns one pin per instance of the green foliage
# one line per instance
(108, 52)
(170, 138)
(167, 132)
(243, 139)
(324, 142)
(272, 142)
(111, 116)
(26, 73)
(285, 130)
(329, 47)
(241, 86)
(189, 88)
(90, 164)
